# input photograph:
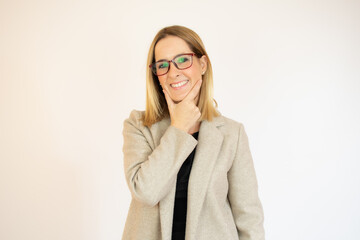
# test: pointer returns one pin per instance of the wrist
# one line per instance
(180, 127)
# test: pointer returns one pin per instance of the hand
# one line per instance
(185, 114)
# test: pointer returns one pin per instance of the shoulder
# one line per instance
(135, 119)
(232, 130)
(228, 124)
(234, 133)
(136, 115)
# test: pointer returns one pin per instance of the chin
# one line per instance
(178, 99)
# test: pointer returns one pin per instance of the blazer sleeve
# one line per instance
(243, 193)
(150, 172)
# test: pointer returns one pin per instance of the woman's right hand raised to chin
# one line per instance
(185, 114)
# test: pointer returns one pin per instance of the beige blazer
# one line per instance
(223, 202)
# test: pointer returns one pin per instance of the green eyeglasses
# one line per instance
(181, 62)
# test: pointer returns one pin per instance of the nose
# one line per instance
(173, 71)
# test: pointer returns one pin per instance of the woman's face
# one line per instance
(169, 47)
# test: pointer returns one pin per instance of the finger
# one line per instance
(169, 101)
(194, 91)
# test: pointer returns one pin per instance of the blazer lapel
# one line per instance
(166, 205)
(209, 145)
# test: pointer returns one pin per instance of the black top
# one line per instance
(180, 207)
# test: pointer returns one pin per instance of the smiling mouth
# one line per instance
(180, 84)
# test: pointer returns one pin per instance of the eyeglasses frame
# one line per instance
(169, 61)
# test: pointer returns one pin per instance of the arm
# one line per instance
(149, 172)
(243, 193)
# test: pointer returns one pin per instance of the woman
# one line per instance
(181, 132)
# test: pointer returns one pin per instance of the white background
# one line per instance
(71, 72)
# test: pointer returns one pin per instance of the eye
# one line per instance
(163, 64)
(182, 59)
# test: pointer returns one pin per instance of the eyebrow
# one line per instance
(173, 57)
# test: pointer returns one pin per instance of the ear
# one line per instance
(203, 63)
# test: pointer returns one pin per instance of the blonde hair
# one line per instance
(156, 105)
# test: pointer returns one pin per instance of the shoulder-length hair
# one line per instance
(156, 105)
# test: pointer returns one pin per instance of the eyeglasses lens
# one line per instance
(161, 67)
(183, 61)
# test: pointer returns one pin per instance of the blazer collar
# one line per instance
(209, 144)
